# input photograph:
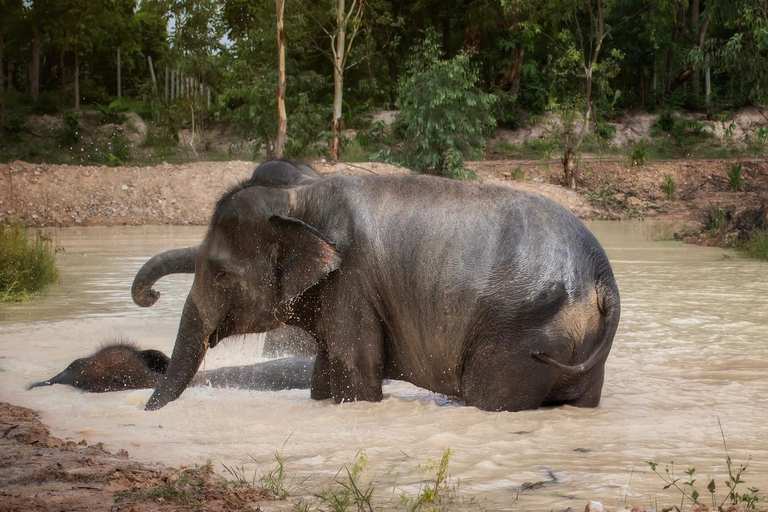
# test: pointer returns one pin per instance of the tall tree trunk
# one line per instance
(695, 24)
(282, 117)
(62, 73)
(119, 77)
(77, 81)
(512, 78)
(34, 66)
(2, 78)
(338, 79)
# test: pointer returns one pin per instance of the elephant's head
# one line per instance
(255, 260)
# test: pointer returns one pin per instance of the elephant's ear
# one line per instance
(304, 256)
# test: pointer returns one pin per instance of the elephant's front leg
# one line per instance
(353, 335)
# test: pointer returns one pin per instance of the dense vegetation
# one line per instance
(26, 263)
(192, 63)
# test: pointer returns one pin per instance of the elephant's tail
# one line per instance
(608, 304)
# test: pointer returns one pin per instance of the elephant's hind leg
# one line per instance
(504, 377)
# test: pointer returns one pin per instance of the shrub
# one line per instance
(13, 127)
(26, 263)
(444, 112)
(734, 177)
(70, 134)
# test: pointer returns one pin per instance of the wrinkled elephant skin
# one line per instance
(499, 298)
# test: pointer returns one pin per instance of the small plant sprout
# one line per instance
(346, 492)
(668, 187)
(734, 177)
(686, 486)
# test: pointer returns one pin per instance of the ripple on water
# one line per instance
(690, 350)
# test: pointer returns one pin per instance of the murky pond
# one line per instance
(692, 347)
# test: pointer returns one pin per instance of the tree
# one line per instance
(282, 118)
(347, 23)
(580, 49)
(444, 113)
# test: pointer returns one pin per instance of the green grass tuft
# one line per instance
(27, 263)
(757, 245)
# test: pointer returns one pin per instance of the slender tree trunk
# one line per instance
(695, 24)
(2, 78)
(572, 149)
(77, 81)
(152, 73)
(707, 80)
(34, 66)
(63, 70)
(338, 79)
(282, 117)
(119, 77)
(167, 83)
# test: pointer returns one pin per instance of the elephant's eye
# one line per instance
(220, 275)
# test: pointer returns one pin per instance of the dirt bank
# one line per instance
(39, 472)
(60, 195)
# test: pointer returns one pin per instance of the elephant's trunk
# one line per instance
(188, 353)
(175, 261)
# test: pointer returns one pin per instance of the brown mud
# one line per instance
(39, 472)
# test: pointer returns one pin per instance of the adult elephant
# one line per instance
(496, 297)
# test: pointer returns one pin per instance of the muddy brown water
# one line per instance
(692, 347)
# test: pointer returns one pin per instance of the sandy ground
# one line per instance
(54, 195)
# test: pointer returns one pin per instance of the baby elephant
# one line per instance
(115, 367)
(120, 366)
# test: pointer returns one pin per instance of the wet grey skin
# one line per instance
(122, 366)
(498, 298)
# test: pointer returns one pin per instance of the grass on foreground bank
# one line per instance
(351, 489)
(27, 263)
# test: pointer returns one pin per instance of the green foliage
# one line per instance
(734, 177)
(346, 490)
(669, 187)
(444, 113)
(26, 263)
(70, 134)
(639, 152)
(686, 486)
(757, 245)
(46, 104)
(13, 126)
(114, 113)
(606, 131)
(431, 494)
(716, 219)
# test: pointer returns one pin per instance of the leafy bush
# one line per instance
(46, 103)
(13, 126)
(114, 113)
(70, 134)
(606, 131)
(26, 264)
(734, 177)
(444, 112)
